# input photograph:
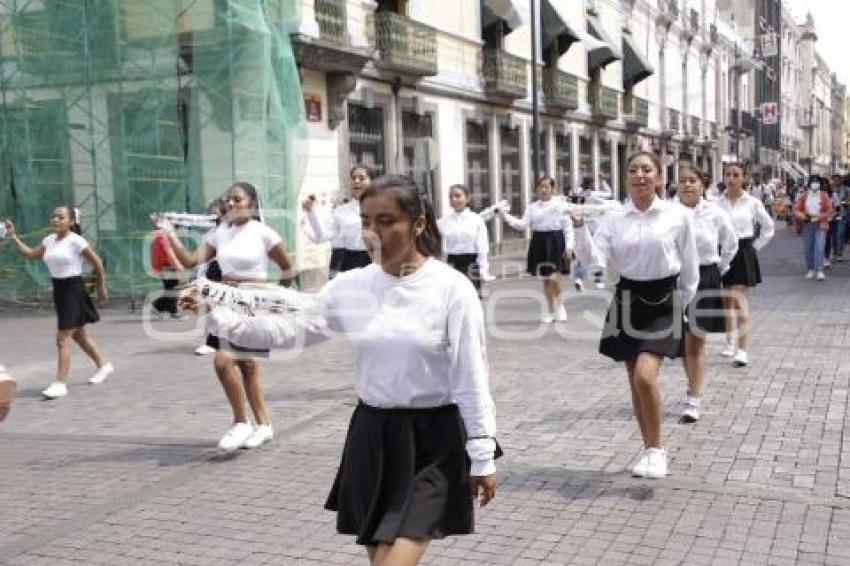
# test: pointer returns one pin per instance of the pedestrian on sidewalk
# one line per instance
(551, 247)
(467, 244)
(421, 443)
(652, 244)
(211, 271)
(832, 248)
(347, 248)
(813, 210)
(717, 244)
(749, 218)
(243, 246)
(63, 252)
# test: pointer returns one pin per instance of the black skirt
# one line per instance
(343, 259)
(404, 474)
(468, 265)
(705, 313)
(644, 316)
(546, 253)
(74, 306)
(744, 269)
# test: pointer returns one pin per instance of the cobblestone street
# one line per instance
(127, 472)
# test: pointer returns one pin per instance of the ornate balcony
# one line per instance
(332, 50)
(636, 111)
(604, 102)
(560, 89)
(694, 127)
(404, 46)
(673, 122)
(712, 131)
(503, 74)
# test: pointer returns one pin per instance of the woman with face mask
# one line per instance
(812, 212)
(747, 212)
(651, 244)
(717, 244)
(551, 247)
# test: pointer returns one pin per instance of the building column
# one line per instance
(574, 156)
(496, 169)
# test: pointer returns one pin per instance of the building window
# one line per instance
(563, 162)
(478, 164)
(542, 156)
(366, 137)
(509, 169)
(585, 159)
(420, 160)
(604, 163)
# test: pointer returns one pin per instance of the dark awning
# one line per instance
(510, 12)
(602, 53)
(554, 26)
(635, 65)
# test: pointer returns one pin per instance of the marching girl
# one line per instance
(424, 430)
(212, 271)
(347, 248)
(551, 246)
(243, 247)
(63, 252)
(717, 244)
(744, 272)
(465, 237)
(651, 243)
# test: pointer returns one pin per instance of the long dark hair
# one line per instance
(410, 200)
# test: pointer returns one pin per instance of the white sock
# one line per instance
(694, 402)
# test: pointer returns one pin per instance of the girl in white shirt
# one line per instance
(651, 243)
(424, 430)
(551, 246)
(242, 246)
(465, 237)
(747, 212)
(63, 252)
(347, 248)
(717, 244)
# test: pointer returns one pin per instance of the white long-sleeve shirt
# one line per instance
(717, 240)
(465, 233)
(545, 216)
(344, 229)
(418, 341)
(643, 246)
(746, 213)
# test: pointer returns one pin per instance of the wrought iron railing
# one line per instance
(636, 111)
(503, 74)
(404, 45)
(332, 18)
(560, 89)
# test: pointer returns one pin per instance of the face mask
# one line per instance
(814, 186)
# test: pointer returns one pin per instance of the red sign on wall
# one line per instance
(313, 107)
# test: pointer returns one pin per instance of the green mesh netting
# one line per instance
(124, 107)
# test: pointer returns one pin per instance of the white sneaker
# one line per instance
(810, 274)
(55, 390)
(102, 373)
(690, 414)
(561, 314)
(827, 263)
(600, 284)
(729, 350)
(821, 275)
(656, 465)
(261, 435)
(740, 360)
(639, 469)
(235, 437)
(579, 285)
(204, 350)
(547, 318)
